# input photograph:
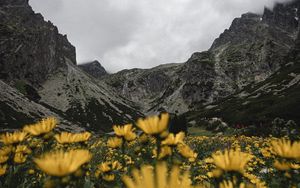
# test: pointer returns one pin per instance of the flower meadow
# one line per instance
(144, 154)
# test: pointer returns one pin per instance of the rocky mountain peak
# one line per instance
(31, 49)
(283, 15)
(93, 68)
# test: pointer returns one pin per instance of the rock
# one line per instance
(94, 69)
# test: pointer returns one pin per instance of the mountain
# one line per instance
(252, 49)
(93, 68)
(39, 77)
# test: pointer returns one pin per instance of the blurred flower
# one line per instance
(231, 160)
(23, 149)
(173, 140)
(114, 142)
(6, 150)
(62, 163)
(109, 177)
(125, 131)
(2, 169)
(286, 149)
(154, 125)
(19, 158)
(42, 127)
(12, 138)
(187, 152)
(3, 158)
(160, 178)
(164, 151)
(66, 138)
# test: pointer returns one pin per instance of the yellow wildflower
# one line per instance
(3, 158)
(286, 149)
(174, 140)
(23, 149)
(114, 142)
(154, 125)
(164, 151)
(125, 131)
(6, 150)
(12, 138)
(3, 170)
(109, 177)
(19, 158)
(42, 127)
(232, 160)
(66, 138)
(160, 178)
(187, 152)
(230, 184)
(104, 167)
(62, 163)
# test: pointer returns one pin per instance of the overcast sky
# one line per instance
(125, 34)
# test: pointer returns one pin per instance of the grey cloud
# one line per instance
(145, 33)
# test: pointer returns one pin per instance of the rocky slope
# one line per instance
(39, 76)
(260, 103)
(251, 50)
(94, 69)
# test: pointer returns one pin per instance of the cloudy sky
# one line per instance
(125, 34)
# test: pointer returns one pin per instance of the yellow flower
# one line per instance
(42, 127)
(12, 138)
(3, 170)
(5, 150)
(286, 149)
(187, 152)
(231, 160)
(164, 151)
(19, 158)
(154, 125)
(230, 184)
(110, 177)
(62, 163)
(125, 131)
(66, 138)
(104, 167)
(3, 158)
(216, 173)
(23, 149)
(160, 178)
(114, 142)
(173, 140)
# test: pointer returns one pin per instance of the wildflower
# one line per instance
(19, 158)
(173, 140)
(3, 170)
(230, 184)
(23, 149)
(62, 163)
(12, 138)
(160, 178)
(3, 158)
(114, 142)
(125, 131)
(65, 137)
(110, 177)
(5, 150)
(231, 160)
(164, 151)
(42, 127)
(154, 125)
(286, 149)
(187, 152)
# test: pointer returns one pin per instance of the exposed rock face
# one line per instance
(39, 77)
(94, 69)
(252, 49)
(31, 48)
